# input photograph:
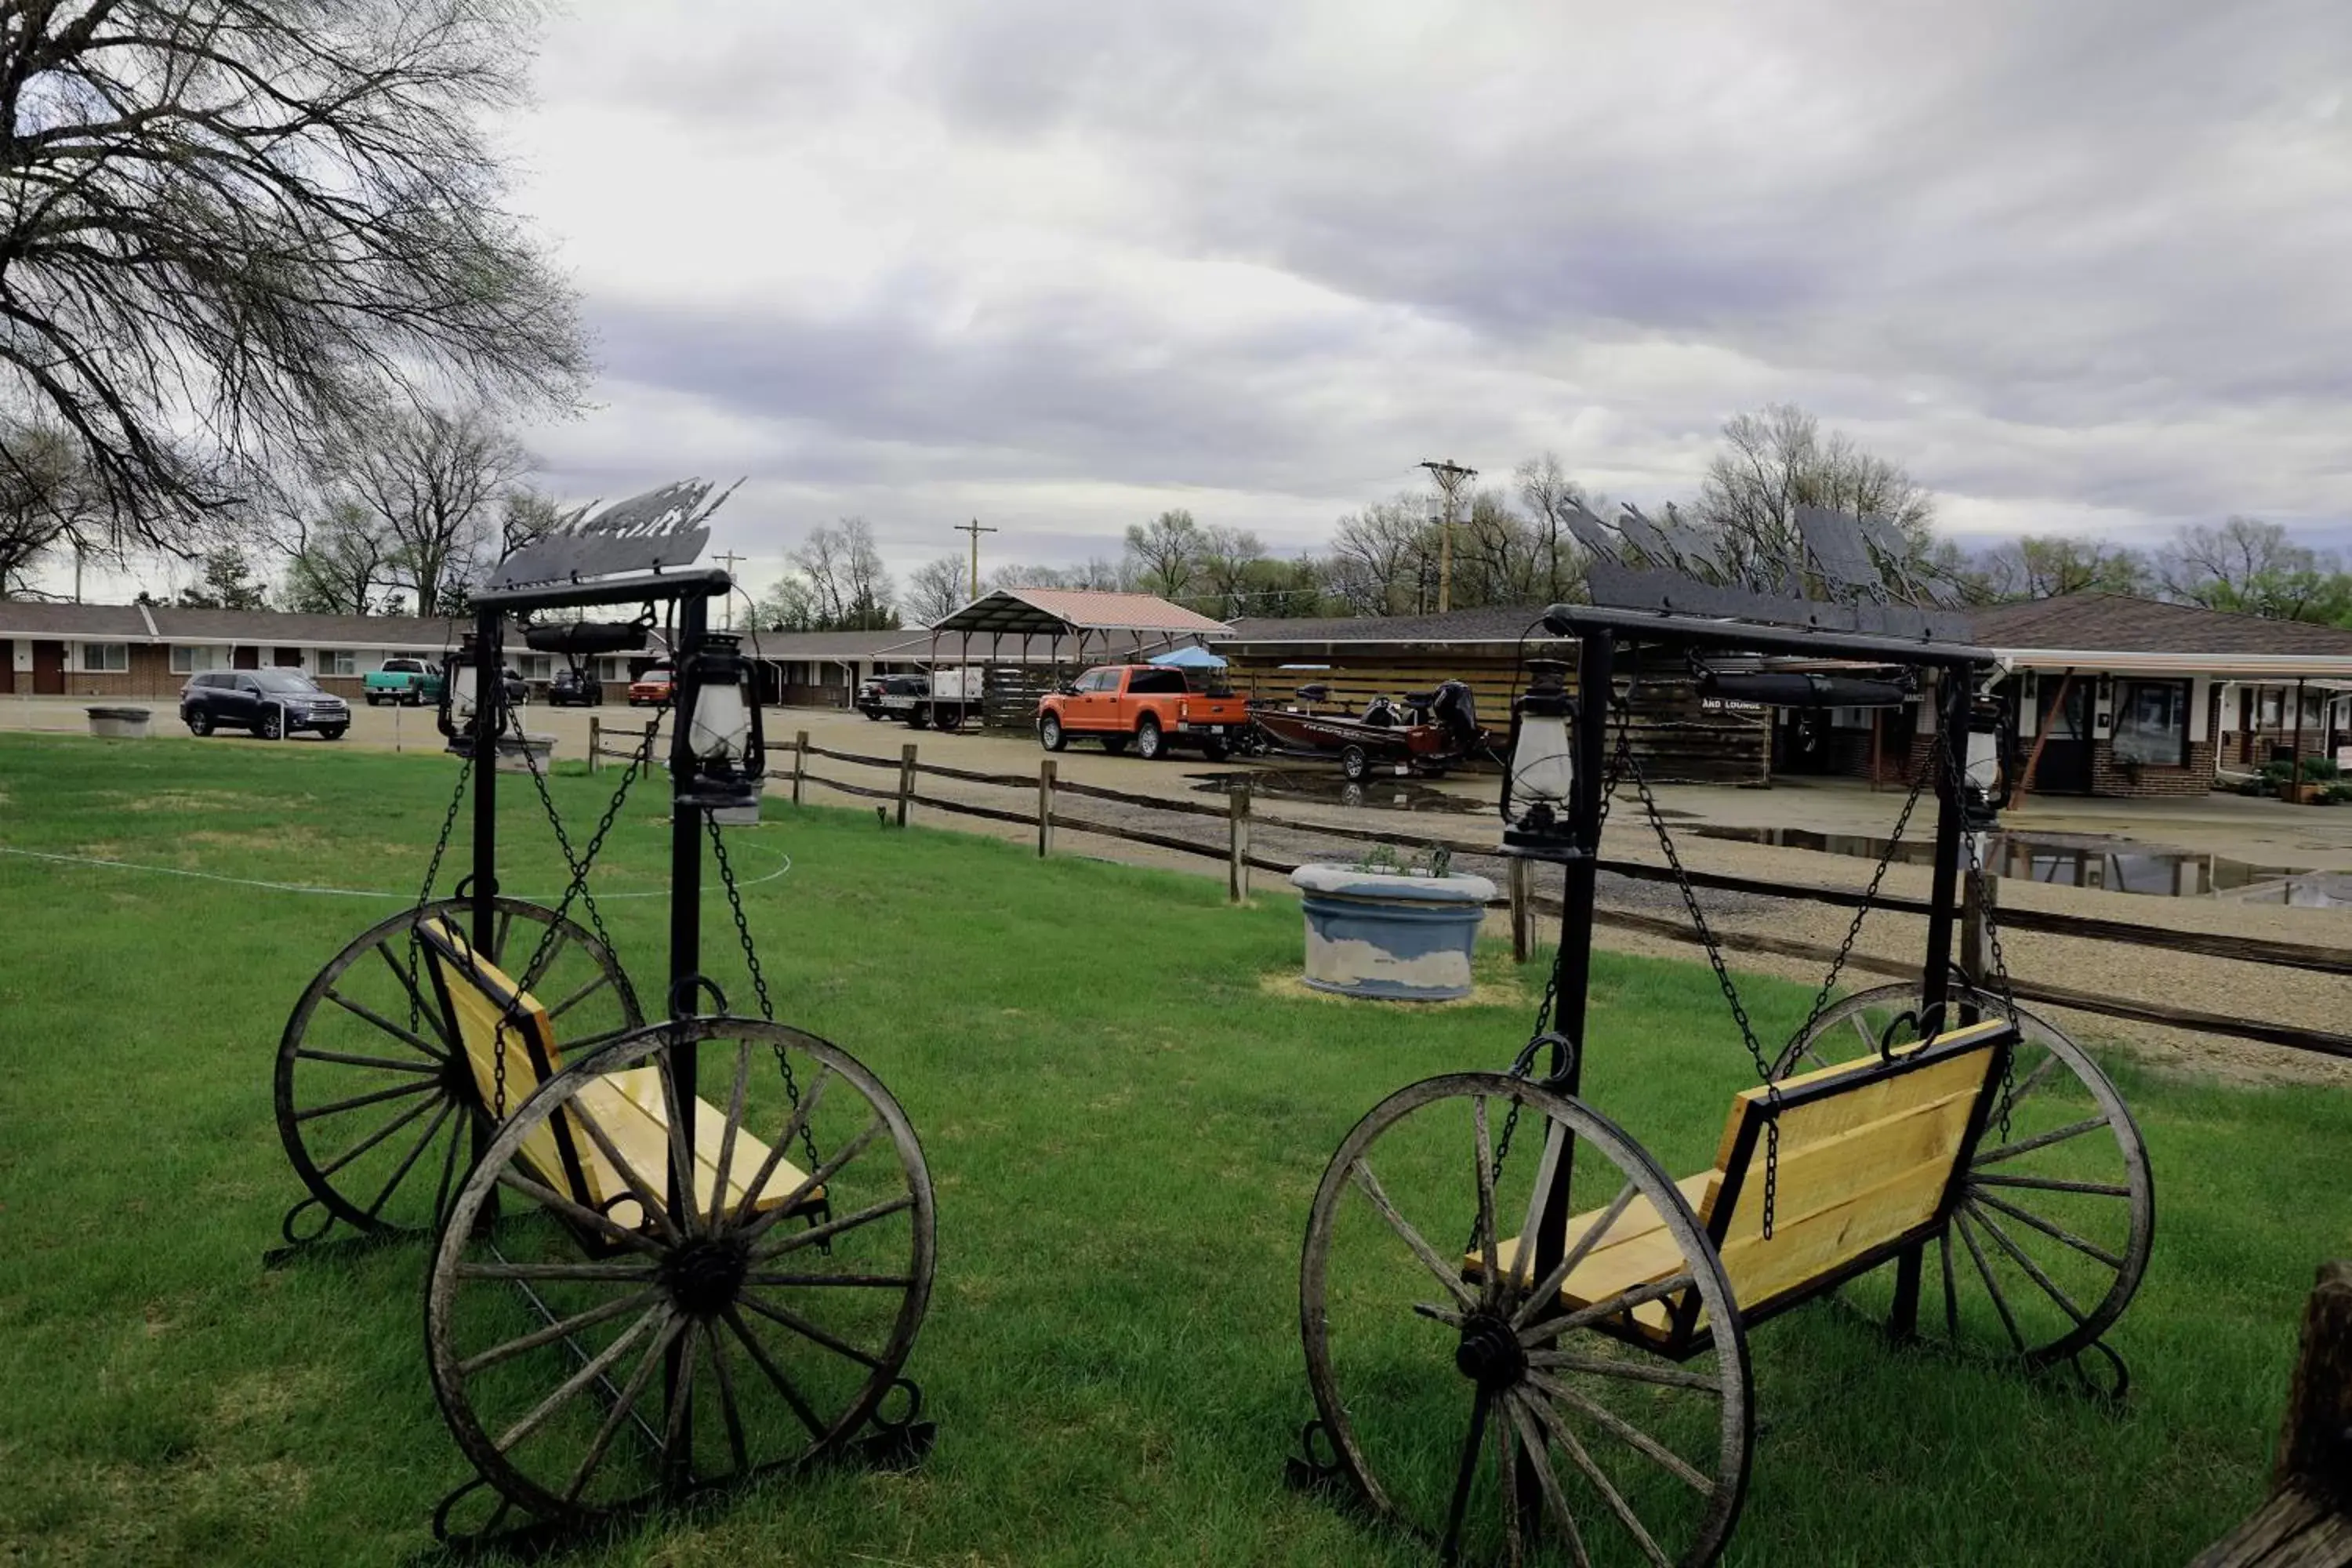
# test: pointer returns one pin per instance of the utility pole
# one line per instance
(728, 623)
(1450, 476)
(975, 529)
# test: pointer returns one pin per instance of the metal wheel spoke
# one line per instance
(2042, 1141)
(416, 999)
(1539, 1452)
(811, 1332)
(590, 1371)
(2034, 1270)
(1952, 1286)
(1984, 1272)
(631, 1392)
(1491, 1288)
(865, 1281)
(603, 979)
(1548, 1290)
(603, 1224)
(620, 1306)
(384, 1195)
(1369, 1185)
(1673, 1464)
(833, 1227)
(766, 1364)
(1506, 1483)
(1625, 1371)
(2051, 1184)
(343, 1058)
(1551, 1422)
(793, 1126)
(1625, 1301)
(1466, 1472)
(647, 1199)
(814, 1180)
(397, 1091)
(609, 1273)
(376, 1137)
(735, 1093)
(736, 1448)
(2056, 1233)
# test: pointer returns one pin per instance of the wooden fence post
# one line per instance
(2305, 1521)
(1237, 836)
(1045, 807)
(1522, 915)
(595, 741)
(906, 781)
(800, 764)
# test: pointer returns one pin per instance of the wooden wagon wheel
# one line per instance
(1464, 1400)
(374, 1103)
(591, 1357)
(2057, 1214)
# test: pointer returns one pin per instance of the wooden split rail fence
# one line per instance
(1048, 816)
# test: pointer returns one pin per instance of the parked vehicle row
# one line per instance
(946, 699)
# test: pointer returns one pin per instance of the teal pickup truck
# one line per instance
(402, 680)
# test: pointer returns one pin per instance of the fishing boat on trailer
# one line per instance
(1430, 732)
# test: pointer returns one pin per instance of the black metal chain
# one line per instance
(2001, 986)
(425, 893)
(638, 765)
(563, 839)
(1870, 894)
(758, 979)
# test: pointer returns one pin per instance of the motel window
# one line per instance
(338, 661)
(105, 657)
(196, 659)
(537, 666)
(2152, 723)
(2270, 708)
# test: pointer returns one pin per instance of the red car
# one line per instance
(652, 688)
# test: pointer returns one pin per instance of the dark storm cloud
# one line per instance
(2083, 256)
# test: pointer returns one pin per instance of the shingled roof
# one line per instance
(2120, 622)
(1493, 623)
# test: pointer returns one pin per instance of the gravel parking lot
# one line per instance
(2264, 832)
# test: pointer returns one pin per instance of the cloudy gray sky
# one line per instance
(2081, 265)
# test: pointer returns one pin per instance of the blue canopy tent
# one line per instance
(1194, 658)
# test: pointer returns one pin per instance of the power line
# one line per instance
(1451, 477)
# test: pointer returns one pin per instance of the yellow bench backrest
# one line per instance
(1867, 1150)
(483, 1001)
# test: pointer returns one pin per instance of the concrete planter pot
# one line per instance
(510, 752)
(120, 723)
(1394, 937)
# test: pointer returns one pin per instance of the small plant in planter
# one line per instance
(1385, 927)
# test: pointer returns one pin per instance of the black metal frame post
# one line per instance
(1572, 966)
(685, 978)
(490, 721)
(1955, 709)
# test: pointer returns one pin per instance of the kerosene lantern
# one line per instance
(1539, 791)
(460, 694)
(719, 695)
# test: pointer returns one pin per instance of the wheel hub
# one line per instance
(705, 1275)
(1490, 1355)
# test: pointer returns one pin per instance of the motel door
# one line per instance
(2064, 736)
(48, 670)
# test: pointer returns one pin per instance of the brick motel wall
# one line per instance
(2110, 777)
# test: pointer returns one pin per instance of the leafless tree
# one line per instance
(432, 476)
(228, 225)
(1225, 568)
(2230, 567)
(2042, 567)
(1383, 559)
(1547, 495)
(1166, 552)
(935, 589)
(343, 563)
(1777, 459)
(1097, 574)
(526, 516)
(48, 504)
(847, 583)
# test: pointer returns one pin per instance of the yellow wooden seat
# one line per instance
(627, 1106)
(1868, 1150)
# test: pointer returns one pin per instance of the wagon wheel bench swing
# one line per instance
(1543, 1357)
(666, 1257)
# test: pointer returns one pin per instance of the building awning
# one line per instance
(2276, 667)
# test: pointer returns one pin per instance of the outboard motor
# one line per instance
(1454, 709)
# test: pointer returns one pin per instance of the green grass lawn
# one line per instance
(1125, 1123)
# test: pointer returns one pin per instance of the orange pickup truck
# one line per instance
(1146, 703)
